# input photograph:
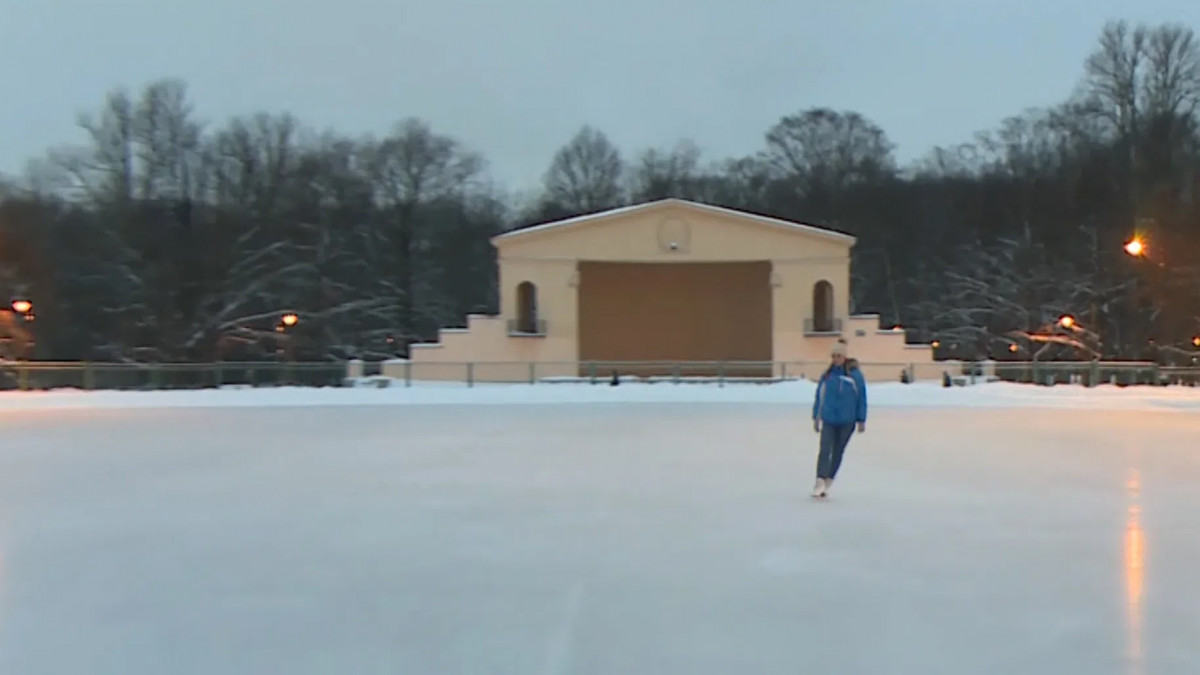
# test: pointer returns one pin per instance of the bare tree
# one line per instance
(1144, 82)
(819, 155)
(105, 170)
(168, 141)
(254, 158)
(742, 183)
(1137, 73)
(1171, 83)
(994, 293)
(1114, 76)
(964, 160)
(334, 194)
(412, 169)
(659, 174)
(826, 149)
(585, 175)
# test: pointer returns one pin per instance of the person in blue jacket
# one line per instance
(840, 404)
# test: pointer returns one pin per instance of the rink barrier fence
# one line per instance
(41, 375)
(950, 373)
(37, 375)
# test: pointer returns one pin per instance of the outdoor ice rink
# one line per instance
(273, 532)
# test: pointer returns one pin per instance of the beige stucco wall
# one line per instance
(556, 281)
(496, 356)
(548, 258)
(882, 353)
(794, 279)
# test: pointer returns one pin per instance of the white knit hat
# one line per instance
(839, 348)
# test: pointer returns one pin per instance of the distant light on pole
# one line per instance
(22, 306)
(1067, 321)
(290, 319)
(1196, 342)
(1013, 348)
(1135, 247)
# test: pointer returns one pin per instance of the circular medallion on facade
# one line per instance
(674, 235)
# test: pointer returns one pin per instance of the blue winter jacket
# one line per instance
(841, 395)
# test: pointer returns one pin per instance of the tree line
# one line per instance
(160, 239)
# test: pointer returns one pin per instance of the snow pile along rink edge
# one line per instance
(797, 393)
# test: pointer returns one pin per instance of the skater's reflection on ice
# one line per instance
(1135, 565)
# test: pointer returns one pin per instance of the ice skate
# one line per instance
(819, 488)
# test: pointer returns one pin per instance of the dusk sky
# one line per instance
(516, 79)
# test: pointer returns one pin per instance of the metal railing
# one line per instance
(1093, 373)
(41, 375)
(763, 372)
(520, 328)
(601, 372)
(823, 327)
(33, 375)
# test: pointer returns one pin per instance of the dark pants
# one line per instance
(834, 438)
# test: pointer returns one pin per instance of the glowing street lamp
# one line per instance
(1135, 247)
(1013, 348)
(1196, 342)
(22, 306)
(1067, 321)
(290, 320)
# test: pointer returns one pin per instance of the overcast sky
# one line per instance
(516, 78)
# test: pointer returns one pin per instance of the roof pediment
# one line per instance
(593, 220)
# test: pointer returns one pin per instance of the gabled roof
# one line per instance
(708, 208)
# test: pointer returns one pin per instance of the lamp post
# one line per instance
(1137, 247)
(24, 308)
(285, 322)
(1150, 284)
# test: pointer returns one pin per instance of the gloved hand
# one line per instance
(862, 426)
(817, 426)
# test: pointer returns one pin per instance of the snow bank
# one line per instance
(800, 393)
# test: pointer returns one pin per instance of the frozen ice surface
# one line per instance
(311, 532)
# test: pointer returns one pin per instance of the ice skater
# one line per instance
(840, 404)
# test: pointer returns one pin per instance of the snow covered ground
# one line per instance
(990, 529)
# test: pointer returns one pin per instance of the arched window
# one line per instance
(822, 307)
(527, 311)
